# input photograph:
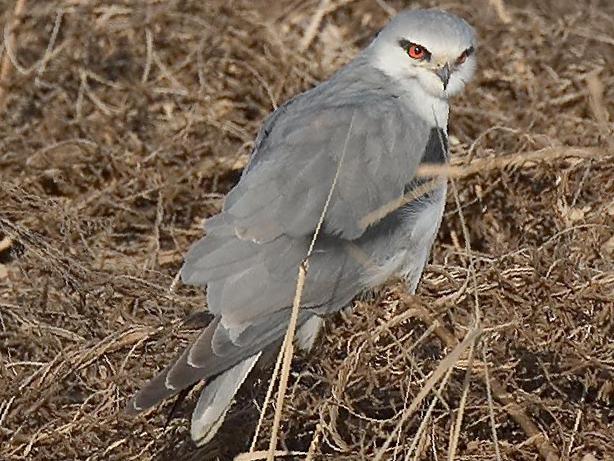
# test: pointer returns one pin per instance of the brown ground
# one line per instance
(126, 133)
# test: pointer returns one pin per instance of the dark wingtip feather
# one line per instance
(176, 377)
(152, 393)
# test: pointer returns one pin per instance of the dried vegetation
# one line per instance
(124, 123)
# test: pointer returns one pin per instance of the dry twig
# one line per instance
(6, 67)
(444, 365)
(288, 344)
(505, 399)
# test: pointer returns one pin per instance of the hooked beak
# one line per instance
(444, 74)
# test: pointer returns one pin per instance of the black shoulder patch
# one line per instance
(436, 150)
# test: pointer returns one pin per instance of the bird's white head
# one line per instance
(434, 48)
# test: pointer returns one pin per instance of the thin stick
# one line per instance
(427, 416)
(486, 164)
(6, 68)
(477, 313)
(287, 350)
(312, 29)
(461, 408)
(267, 398)
(501, 11)
(477, 320)
(574, 432)
(149, 57)
(491, 407)
(427, 170)
(507, 401)
(390, 11)
(288, 345)
(441, 369)
(49, 51)
(263, 455)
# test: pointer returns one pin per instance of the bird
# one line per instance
(341, 160)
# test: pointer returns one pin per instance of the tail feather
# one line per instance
(153, 392)
(170, 381)
(212, 353)
(182, 373)
(175, 377)
(216, 399)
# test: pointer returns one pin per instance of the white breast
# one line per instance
(431, 109)
(422, 236)
(415, 248)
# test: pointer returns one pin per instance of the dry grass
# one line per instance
(124, 124)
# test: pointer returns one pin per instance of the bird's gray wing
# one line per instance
(374, 145)
(252, 250)
(249, 258)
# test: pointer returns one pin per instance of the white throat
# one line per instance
(430, 108)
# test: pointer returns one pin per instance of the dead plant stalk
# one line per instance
(287, 348)
(6, 69)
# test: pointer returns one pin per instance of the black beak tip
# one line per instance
(444, 75)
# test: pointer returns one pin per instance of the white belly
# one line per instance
(410, 260)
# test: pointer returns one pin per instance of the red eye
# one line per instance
(416, 52)
(463, 57)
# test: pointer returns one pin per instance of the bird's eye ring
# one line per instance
(416, 51)
(464, 55)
